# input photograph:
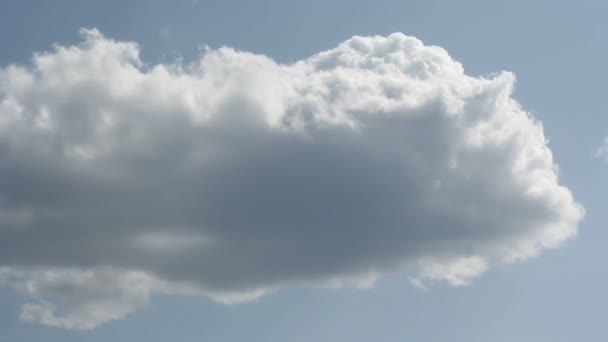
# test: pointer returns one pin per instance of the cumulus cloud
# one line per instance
(84, 298)
(235, 175)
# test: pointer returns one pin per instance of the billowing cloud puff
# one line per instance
(235, 175)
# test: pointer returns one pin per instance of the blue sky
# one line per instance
(557, 52)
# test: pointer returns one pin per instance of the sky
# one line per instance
(302, 171)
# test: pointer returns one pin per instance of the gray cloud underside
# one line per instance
(234, 175)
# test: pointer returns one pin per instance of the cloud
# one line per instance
(165, 32)
(235, 175)
(602, 151)
(85, 298)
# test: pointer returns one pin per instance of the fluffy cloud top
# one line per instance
(235, 175)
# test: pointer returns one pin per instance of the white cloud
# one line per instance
(602, 151)
(235, 176)
(82, 299)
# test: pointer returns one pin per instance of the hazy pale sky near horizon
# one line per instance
(256, 173)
